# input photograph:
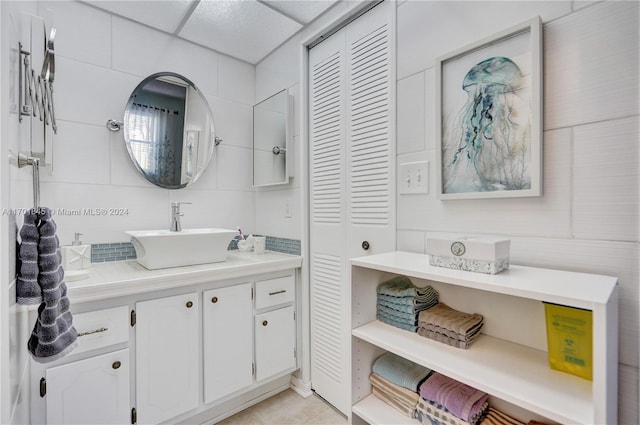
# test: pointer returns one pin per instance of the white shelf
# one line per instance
(561, 287)
(377, 412)
(498, 364)
(512, 372)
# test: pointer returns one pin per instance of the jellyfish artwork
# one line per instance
(487, 145)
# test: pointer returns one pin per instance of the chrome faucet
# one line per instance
(175, 225)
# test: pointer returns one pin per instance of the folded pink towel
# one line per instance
(463, 401)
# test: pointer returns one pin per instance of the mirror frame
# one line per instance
(213, 142)
(288, 135)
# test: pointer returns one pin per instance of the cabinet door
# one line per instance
(275, 342)
(228, 348)
(167, 358)
(91, 391)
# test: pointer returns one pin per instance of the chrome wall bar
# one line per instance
(23, 161)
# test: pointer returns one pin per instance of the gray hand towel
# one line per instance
(28, 291)
(54, 334)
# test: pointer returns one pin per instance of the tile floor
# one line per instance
(288, 408)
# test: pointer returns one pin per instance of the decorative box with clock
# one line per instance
(475, 254)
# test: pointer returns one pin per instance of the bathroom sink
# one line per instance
(158, 249)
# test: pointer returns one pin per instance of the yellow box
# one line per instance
(570, 339)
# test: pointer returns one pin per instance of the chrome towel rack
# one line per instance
(35, 94)
(23, 161)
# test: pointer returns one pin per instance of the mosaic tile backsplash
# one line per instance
(121, 251)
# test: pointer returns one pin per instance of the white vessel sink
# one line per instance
(159, 249)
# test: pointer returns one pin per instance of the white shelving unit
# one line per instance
(498, 363)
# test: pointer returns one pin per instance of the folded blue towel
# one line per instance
(409, 320)
(399, 315)
(406, 308)
(54, 334)
(397, 324)
(400, 371)
(411, 300)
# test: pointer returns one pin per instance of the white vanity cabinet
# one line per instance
(275, 327)
(90, 391)
(227, 340)
(167, 360)
(91, 385)
(176, 345)
(275, 342)
(509, 360)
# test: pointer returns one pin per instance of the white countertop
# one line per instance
(122, 278)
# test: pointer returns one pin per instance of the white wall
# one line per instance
(100, 59)
(587, 220)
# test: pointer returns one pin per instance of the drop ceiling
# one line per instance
(245, 29)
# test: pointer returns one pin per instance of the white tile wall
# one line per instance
(81, 154)
(270, 213)
(606, 180)
(101, 59)
(90, 94)
(87, 40)
(279, 70)
(411, 114)
(233, 121)
(545, 216)
(424, 33)
(142, 51)
(591, 71)
(232, 80)
(587, 219)
(235, 165)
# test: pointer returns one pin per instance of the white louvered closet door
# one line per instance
(352, 157)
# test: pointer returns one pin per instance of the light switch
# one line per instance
(413, 177)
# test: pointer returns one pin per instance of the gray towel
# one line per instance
(401, 286)
(28, 291)
(413, 308)
(53, 335)
(400, 371)
(430, 298)
(411, 318)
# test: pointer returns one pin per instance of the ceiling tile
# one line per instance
(302, 10)
(163, 15)
(246, 30)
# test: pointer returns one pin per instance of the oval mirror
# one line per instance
(168, 130)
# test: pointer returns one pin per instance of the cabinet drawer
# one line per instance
(101, 328)
(275, 291)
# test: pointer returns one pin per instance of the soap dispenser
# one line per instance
(77, 256)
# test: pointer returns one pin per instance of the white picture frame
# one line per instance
(489, 116)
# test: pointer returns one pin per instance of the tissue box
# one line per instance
(481, 254)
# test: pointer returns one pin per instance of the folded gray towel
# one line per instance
(411, 300)
(399, 315)
(406, 308)
(409, 321)
(53, 335)
(401, 286)
(393, 322)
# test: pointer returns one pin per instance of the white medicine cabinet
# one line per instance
(272, 120)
